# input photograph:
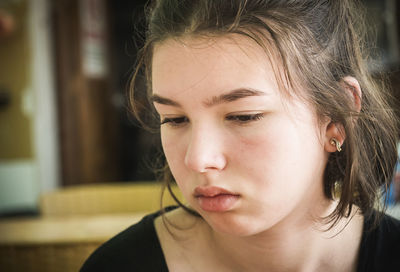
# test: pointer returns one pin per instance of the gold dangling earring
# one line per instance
(336, 143)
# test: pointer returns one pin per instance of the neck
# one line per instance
(303, 246)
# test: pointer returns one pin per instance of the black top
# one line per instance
(138, 249)
(380, 248)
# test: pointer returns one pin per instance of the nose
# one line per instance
(205, 150)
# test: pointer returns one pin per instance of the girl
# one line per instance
(276, 135)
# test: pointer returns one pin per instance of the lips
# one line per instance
(215, 199)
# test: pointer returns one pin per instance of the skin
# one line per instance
(268, 150)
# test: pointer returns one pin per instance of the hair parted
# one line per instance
(316, 43)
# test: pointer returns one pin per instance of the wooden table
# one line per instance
(56, 243)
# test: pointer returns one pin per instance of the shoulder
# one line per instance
(135, 249)
(380, 247)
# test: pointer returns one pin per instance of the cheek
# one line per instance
(277, 152)
(169, 145)
(174, 150)
(264, 145)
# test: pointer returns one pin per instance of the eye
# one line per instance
(175, 122)
(245, 118)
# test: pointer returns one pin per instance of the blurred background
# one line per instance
(75, 168)
(64, 70)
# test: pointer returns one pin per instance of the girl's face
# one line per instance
(244, 157)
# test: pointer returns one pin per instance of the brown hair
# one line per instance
(317, 43)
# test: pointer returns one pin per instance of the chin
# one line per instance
(233, 224)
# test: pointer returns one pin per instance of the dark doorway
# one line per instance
(139, 149)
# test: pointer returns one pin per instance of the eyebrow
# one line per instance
(223, 98)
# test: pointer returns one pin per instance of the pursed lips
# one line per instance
(211, 191)
(215, 199)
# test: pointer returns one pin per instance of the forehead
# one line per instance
(220, 64)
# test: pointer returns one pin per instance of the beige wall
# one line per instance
(28, 128)
(15, 63)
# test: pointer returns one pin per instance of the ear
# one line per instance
(336, 130)
(351, 85)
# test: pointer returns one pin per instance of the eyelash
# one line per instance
(245, 118)
(175, 122)
(241, 119)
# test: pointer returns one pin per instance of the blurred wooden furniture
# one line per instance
(56, 243)
(105, 199)
(74, 222)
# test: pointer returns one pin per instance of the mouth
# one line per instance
(215, 199)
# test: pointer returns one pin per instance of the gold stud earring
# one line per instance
(335, 142)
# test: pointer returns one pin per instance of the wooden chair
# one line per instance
(105, 199)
